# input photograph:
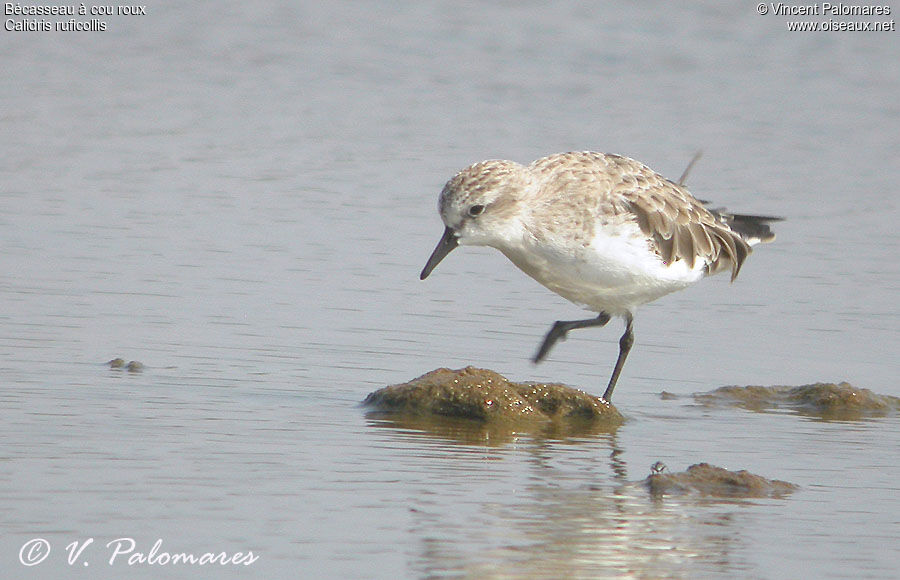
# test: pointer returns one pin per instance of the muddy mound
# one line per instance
(486, 396)
(709, 480)
(824, 400)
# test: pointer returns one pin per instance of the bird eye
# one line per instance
(476, 210)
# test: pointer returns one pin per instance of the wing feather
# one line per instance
(676, 224)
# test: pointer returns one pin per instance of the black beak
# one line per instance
(448, 241)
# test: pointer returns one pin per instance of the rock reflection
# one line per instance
(474, 432)
(580, 515)
(604, 531)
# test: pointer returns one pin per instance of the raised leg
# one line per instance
(624, 347)
(561, 327)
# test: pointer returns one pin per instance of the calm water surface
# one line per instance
(241, 196)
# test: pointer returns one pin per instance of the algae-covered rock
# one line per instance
(486, 396)
(132, 367)
(709, 480)
(824, 400)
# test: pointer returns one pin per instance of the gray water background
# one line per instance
(241, 195)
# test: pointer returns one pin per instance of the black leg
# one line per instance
(624, 346)
(561, 327)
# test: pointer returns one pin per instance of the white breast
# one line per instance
(615, 273)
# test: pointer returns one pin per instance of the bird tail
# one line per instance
(745, 231)
(753, 228)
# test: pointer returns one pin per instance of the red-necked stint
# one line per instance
(602, 230)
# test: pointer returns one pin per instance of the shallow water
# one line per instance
(241, 196)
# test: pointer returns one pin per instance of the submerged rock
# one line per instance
(486, 396)
(824, 400)
(706, 479)
(132, 366)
